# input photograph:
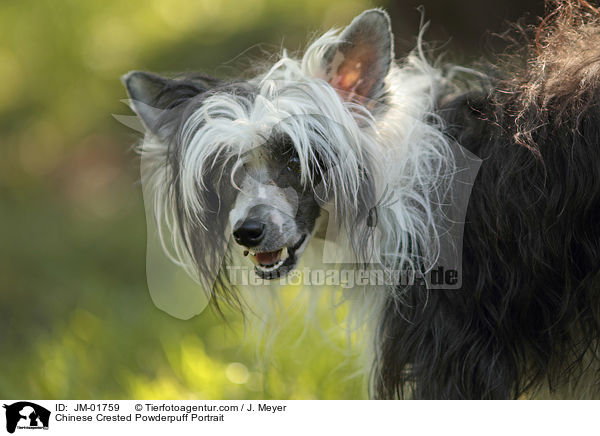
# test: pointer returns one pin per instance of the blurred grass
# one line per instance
(76, 320)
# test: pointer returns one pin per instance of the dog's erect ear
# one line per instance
(358, 64)
(152, 94)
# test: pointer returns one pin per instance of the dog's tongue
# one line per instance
(268, 258)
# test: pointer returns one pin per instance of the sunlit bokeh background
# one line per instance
(76, 318)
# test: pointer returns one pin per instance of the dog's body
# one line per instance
(346, 131)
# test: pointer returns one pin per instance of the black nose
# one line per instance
(250, 233)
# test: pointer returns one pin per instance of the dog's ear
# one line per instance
(151, 95)
(358, 64)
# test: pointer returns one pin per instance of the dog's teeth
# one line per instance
(284, 253)
(269, 268)
(253, 259)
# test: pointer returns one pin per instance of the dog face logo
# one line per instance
(26, 415)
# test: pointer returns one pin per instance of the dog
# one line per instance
(347, 146)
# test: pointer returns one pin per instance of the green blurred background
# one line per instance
(76, 318)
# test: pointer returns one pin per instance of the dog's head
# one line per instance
(255, 161)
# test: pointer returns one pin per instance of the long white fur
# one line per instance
(406, 151)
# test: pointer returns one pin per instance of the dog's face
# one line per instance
(255, 161)
(274, 212)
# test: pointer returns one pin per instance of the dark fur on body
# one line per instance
(527, 319)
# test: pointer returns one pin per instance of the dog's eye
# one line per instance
(293, 165)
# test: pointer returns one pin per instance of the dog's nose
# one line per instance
(250, 233)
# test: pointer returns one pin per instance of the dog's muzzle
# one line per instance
(270, 239)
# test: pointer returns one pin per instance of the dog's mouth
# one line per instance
(273, 264)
